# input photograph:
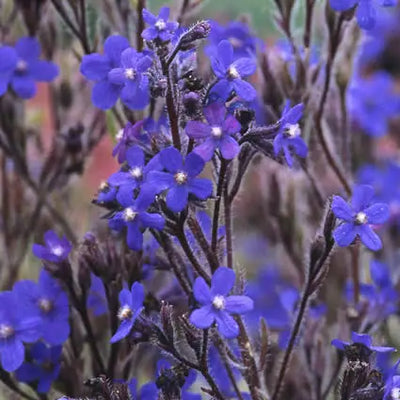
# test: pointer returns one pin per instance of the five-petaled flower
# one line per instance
(358, 218)
(55, 250)
(134, 217)
(96, 67)
(362, 339)
(133, 174)
(47, 301)
(44, 366)
(216, 305)
(288, 138)
(366, 10)
(180, 179)
(217, 133)
(16, 326)
(230, 73)
(21, 67)
(130, 77)
(131, 305)
(160, 27)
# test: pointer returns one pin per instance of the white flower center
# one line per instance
(292, 130)
(160, 24)
(219, 302)
(361, 218)
(6, 331)
(216, 131)
(395, 393)
(22, 65)
(129, 214)
(180, 178)
(45, 305)
(120, 133)
(125, 312)
(130, 73)
(233, 73)
(136, 172)
(57, 251)
(103, 186)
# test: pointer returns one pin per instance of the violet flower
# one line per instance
(55, 250)
(160, 27)
(363, 339)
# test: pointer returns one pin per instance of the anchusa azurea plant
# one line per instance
(190, 210)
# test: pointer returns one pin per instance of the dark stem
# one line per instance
(141, 4)
(217, 206)
(228, 227)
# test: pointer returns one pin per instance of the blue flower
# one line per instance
(97, 300)
(16, 326)
(160, 27)
(230, 73)
(358, 218)
(371, 112)
(216, 305)
(96, 67)
(55, 250)
(381, 295)
(148, 391)
(366, 9)
(133, 174)
(363, 339)
(21, 68)
(131, 303)
(107, 193)
(180, 179)
(217, 133)
(135, 218)
(47, 301)
(43, 367)
(131, 79)
(288, 137)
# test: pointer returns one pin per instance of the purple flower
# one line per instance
(132, 177)
(180, 179)
(21, 67)
(55, 250)
(126, 138)
(135, 218)
(44, 366)
(159, 26)
(363, 339)
(216, 305)
(288, 137)
(366, 9)
(130, 77)
(147, 392)
(358, 218)
(97, 300)
(107, 193)
(217, 133)
(47, 301)
(131, 303)
(16, 326)
(230, 73)
(392, 384)
(96, 67)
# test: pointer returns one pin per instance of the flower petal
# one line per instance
(369, 238)
(231, 125)
(344, 234)
(137, 293)
(377, 213)
(244, 90)
(342, 209)
(366, 15)
(8, 59)
(123, 330)
(362, 196)
(222, 281)
(238, 304)
(215, 114)
(342, 5)
(171, 159)
(95, 66)
(24, 86)
(135, 156)
(114, 46)
(201, 291)
(177, 198)
(225, 53)
(229, 147)
(134, 237)
(245, 66)
(194, 164)
(12, 355)
(152, 220)
(105, 94)
(227, 326)
(206, 149)
(28, 48)
(197, 129)
(44, 71)
(203, 317)
(200, 187)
